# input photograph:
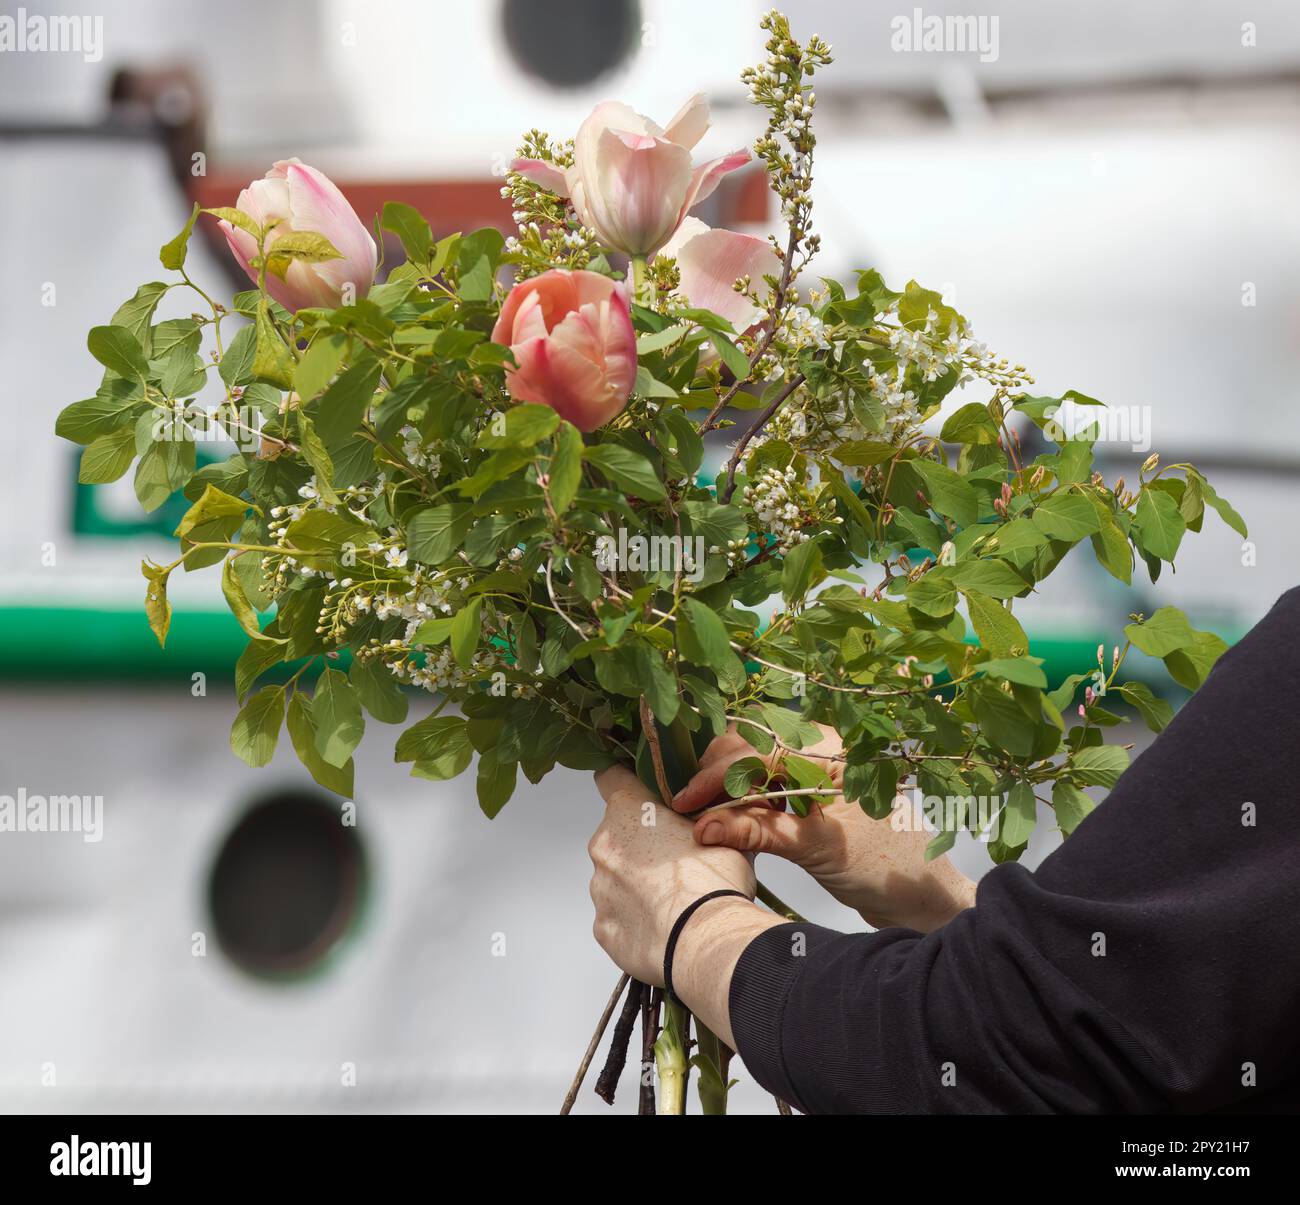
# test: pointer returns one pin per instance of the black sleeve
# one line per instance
(1150, 964)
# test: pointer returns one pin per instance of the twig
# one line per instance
(607, 1080)
(724, 495)
(591, 1046)
(778, 905)
(656, 753)
(782, 1107)
(780, 303)
(651, 1000)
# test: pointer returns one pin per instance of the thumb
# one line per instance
(755, 830)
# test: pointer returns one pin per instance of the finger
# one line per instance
(706, 784)
(618, 785)
(756, 830)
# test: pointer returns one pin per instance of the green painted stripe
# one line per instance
(74, 642)
(79, 642)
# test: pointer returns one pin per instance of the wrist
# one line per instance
(707, 950)
(936, 900)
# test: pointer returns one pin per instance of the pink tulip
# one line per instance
(298, 198)
(711, 261)
(631, 181)
(571, 334)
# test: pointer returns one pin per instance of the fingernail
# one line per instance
(711, 833)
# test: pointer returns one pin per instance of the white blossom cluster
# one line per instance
(416, 454)
(439, 672)
(775, 498)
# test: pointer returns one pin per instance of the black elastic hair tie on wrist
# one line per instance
(679, 924)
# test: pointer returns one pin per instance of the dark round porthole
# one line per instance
(287, 885)
(570, 43)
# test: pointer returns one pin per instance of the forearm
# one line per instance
(706, 955)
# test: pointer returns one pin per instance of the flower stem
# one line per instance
(643, 289)
(670, 1058)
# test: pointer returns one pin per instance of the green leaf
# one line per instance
(625, 469)
(106, 458)
(741, 776)
(791, 729)
(318, 365)
(1110, 545)
(1165, 632)
(1002, 720)
(339, 722)
(258, 656)
(1225, 512)
(233, 591)
(653, 341)
(998, 630)
(317, 456)
(949, 493)
(800, 567)
(495, 785)
(972, 424)
(713, 522)
(993, 577)
(306, 245)
(565, 475)
(736, 361)
(378, 690)
(1025, 670)
(1066, 517)
(433, 535)
(526, 425)
(1155, 711)
(1019, 817)
(476, 257)
(702, 639)
(932, 595)
(1071, 805)
(862, 453)
(658, 682)
(236, 367)
(156, 607)
(237, 218)
(214, 504)
(1190, 666)
(466, 628)
(163, 469)
(85, 421)
(271, 359)
(345, 402)
(302, 732)
(256, 729)
(1100, 765)
(409, 225)
(173, 253)
(118, 350)
(1158, 526)
(1017, 536)
(434, 738)
(136, 313)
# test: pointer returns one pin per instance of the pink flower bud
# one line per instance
(293, 199)
(571, 334)
(631, 181)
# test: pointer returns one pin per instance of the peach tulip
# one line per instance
(631, 181)
(711, 261)
(298, 198)
(572, 337)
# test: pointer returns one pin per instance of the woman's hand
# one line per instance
(875, 869)
(647, 869)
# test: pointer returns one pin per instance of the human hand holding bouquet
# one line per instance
(499, 495)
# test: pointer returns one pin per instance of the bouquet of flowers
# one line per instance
(486, 478)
